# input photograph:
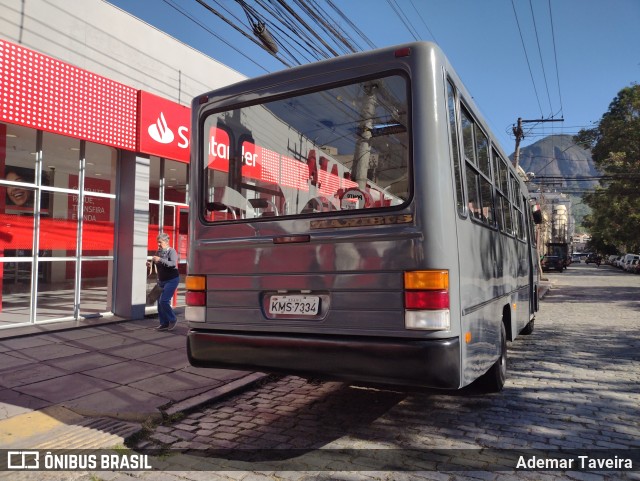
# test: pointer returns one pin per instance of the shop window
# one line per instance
(176, 180)
(94, 297)
(168, 197)
(46, 196)
(60, 159)
(97, 232)
(18, 198)
(100, 168)
(154, 178)
(20, 145)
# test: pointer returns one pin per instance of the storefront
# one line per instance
(91, 170)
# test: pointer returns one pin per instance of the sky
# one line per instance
(534, 59)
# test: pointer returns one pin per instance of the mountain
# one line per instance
(559, 163)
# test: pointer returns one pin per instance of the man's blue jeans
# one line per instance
(165, 312)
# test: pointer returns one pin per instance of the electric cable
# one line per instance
(197, 22)
(423, 22)
(337, 25)
(306, 25)
(238, 29)
(555, 56)
(337, 37)
(360, 33)
(544, 73)
(398, 11)
(527, 58)
(290, 30)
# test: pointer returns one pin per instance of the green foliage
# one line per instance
(614, 221)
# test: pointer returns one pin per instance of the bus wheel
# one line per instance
(528, 329)
(493, 380)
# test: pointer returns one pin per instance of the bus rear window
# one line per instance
(341, 149)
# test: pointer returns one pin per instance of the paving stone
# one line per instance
(561, 393)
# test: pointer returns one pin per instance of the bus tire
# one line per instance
(528, 329)
(493, 380)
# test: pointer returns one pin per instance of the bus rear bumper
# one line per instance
(426, 363)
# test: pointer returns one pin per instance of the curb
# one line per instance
(214, 394)
(49, 426)
(543, 289)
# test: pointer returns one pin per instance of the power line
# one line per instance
(298, 41)
(555, 56)
(351, 24)
(407, 23)
(346, 34)
(236, 28)
(186, 15)
(423, 22)
(524, 48)
(336, 36)
(544, 73)
(586, 178)
(300, 20)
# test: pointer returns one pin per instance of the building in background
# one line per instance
(558, 224)
(94, 156)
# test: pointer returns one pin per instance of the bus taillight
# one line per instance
(426, 299)
(195, 298)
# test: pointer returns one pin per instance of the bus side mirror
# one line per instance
(537, 216)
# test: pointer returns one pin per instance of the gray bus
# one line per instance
(355, 219)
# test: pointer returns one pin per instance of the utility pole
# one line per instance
(519, 133)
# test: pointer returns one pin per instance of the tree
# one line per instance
(615, 147)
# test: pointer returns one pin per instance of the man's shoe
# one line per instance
(172, 325)
(162, 328)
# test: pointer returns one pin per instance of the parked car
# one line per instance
(627, 259)
(552, 262)
(593, 259)
(575, 258)
(631, 264)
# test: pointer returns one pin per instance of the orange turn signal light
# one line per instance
(196, 283)
(431, 280)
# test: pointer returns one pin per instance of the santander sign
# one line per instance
(163, 127)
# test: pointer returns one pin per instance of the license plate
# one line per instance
(296, 305)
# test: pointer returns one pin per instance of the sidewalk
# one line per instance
(544, 286)
(94, 386)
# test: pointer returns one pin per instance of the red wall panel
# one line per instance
(44, 93)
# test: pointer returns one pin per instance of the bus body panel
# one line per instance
(355, 263)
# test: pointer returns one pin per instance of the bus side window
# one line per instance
(502, 190)
(475, 205)
(455, 146)
(486, 187)
(515, 203)
(482, 149)
(468, 145)
(478, 170)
